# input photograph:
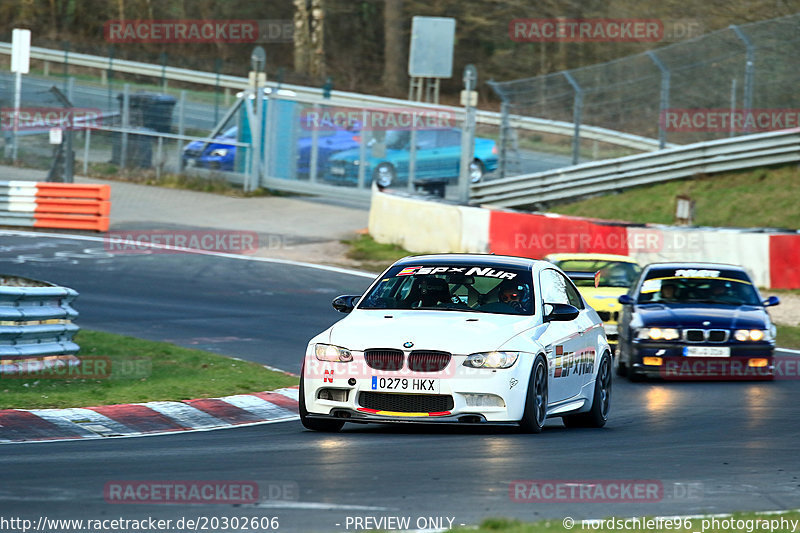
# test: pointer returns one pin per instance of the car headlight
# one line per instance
(328, 352)
(658, 334)
(755, 335)
(491, 359)
(219, 152)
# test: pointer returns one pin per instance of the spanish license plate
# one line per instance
(412, 385)
(706, 351)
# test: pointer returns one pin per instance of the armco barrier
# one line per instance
(35, 319)
(419, 225)
(55, 205)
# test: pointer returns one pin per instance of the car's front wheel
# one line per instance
(601, 400)
(384, 175)
(476, 171)
(536, 401)
(315, 424)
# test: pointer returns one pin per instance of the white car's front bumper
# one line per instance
(464, 394)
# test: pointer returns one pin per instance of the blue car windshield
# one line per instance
(686, 286)
(480, 288)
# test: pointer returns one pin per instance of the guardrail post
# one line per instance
(577, 111)
(664, 104)
(750, 52)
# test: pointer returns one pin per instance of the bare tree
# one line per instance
(393, 46)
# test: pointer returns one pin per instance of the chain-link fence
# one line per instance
(305, 144)
(691, 91)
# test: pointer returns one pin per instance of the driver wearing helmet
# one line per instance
(511, 294)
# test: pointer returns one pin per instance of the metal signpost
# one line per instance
(20, 64)
(469, 99)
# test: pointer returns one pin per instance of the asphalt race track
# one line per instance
(713, 447)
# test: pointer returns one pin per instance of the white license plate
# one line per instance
(611, 329)
(706, 351)
(413, 385)
(339, 171)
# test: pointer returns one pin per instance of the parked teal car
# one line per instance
(438, 158)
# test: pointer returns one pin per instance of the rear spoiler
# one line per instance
(585, 276)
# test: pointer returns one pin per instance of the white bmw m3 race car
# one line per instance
(464, 339)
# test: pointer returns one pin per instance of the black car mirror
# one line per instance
(345, 303)
(625, 300)
(561, 313)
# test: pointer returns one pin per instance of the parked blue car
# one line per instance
(438, 158)
(219, 155)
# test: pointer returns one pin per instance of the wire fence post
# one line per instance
(750, 53)
(577, 110)
(110, 73)
(66, 64)
(164, 71)
(504, 131)
(126, 124)
(217, 70)
(181, 127)
(664, 99)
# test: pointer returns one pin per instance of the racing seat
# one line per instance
(434, 291)
(428, 292)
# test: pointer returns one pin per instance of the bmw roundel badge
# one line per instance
(408, 344)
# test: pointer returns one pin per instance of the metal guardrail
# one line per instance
(35, 319)
(343, 98)
(577, 181)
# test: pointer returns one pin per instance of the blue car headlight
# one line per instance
(658, 334)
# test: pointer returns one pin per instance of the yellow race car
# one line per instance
(607, 277)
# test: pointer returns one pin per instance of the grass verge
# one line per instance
(372, 255)
(788, 337)
(765, 197)
(737, 522)
(130, 370)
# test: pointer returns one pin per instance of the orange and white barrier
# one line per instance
(773, 258)
(55, 205)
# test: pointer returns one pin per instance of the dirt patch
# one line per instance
(788, 312)
(333, 253)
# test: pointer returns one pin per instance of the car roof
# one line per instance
(506, 261)
(588, 256)
(697, 266)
